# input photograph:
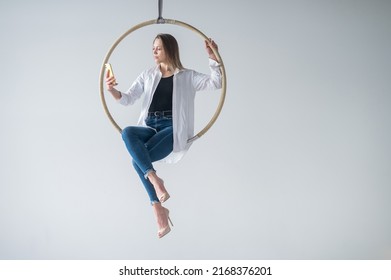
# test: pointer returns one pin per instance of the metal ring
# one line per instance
(174, 22)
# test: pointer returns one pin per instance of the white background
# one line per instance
(298, 166)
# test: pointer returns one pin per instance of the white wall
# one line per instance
(298, 165)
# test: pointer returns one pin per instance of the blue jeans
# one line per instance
(149, 144)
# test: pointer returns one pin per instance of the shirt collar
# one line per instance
(157, 69)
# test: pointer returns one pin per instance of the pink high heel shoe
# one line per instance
(162, 232)
(164, 197)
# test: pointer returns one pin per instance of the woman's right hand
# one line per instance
(110, 84)
(110, 81)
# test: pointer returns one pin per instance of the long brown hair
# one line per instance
(171, 49)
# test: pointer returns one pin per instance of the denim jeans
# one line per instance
(147, 145)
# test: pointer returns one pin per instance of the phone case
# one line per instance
(111, 73)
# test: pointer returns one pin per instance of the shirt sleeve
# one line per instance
(212, 81)
(134, 92)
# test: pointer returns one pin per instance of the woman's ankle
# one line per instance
(156, 181)
(152, 176)
(157, 206)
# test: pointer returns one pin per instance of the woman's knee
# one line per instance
(137, 132)
(128, 132)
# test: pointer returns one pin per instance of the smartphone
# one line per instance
(111, 73)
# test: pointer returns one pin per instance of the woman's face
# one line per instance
(158, 51)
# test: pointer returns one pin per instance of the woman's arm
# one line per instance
(214, 79)
(131, 95)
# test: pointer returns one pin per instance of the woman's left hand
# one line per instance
(208, 46)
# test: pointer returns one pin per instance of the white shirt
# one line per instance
(186, 83)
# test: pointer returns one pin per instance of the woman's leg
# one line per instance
(146, 146)
(135, 138)
(146, 149)
(160, 146)
(160, 213)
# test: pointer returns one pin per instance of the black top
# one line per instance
(162, 98)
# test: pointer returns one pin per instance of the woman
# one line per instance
(167, 115)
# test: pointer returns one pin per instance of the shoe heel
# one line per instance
(168, 216)
(170, 221)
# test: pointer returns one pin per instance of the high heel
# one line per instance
(164, 197)
(162, 232)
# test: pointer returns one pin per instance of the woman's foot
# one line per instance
(162, 218)
(158, 184)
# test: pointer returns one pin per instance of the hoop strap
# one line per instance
(160, 19)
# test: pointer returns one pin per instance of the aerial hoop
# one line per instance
(161, 20)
